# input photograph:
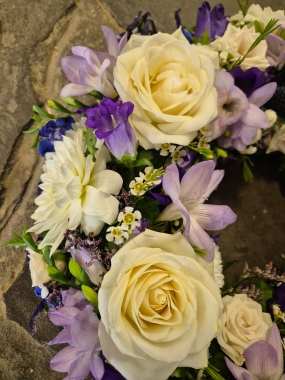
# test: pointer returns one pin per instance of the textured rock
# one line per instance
(34, 37)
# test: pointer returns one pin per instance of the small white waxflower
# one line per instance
(149, 176)
(165, 148)
(218, 267)
(116, 235)
(137, 186)
(203, 143)
(272, 117)
(177, 155)
(205, 131)
(129, 219)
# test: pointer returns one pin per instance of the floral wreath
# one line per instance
(125, 259)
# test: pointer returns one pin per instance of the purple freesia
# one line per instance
(275, 50)
(188, 197)
(91, 266)
(243, 132)
(110, 121)
(248, 81)
(81, 333)
(214, 21)
(89, 70)
(263, 359)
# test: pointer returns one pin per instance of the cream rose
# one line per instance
(243, 323)
(236, 42)
(159, 307)
(170, 83)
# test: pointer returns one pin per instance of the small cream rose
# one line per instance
(170, 83)
(159, 305)
(243, 323)
(235, 44)
(38, 268)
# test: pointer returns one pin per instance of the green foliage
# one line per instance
(199, 251)
(267, 292)
(243, 4)
(228, 264)
(71, 101)
(90, 141)
(96, 94)
(257, 26)
(182, 373)
(24, 240)
(79, 273)
(203, 40)
(220, 152)
(48, 258)
(246, 162)
(56, 275)
(217, 360)
(58, 107)
(91, 296)
(207, 153)
(41, 112)
(148, 208)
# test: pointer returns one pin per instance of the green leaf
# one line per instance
(228, 264)
(220, 152)
(247, 173)
(257, 26)
(13, 243)
(36, 117)
(35, 142)
(78, 273)
(56, 275)
(203, 40)
(146, 154)
(31, 131)
(96, 94)
(267, 292)
(71, 101)
(213, 372)
(142, 162)
(199, 251)
(148, 208)
(43, 113)
(59, 256)
(48, 258)
(243, 4)
(90, 140)
(58, 107)
(90, 295)
(27, 238)
(282, 34)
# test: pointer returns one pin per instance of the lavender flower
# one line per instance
(53, 131)
(188, 196)
(275, 50)
(142, 25)
(89, 70)
(263, 359)
(110, 120)
(81, 333)
(214, 21)
(248, 81)
(278, 298)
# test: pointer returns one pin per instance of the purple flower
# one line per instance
(110, 120)
(188, 35)
(188, 197)
(214, 21)
(278, 298)
(89, 70)
(81, 333)
(91, 266)
(53, 131)
(243, 132)
(275, 50)
(263, 359)
(248, 81)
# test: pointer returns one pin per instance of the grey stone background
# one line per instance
(34, 35)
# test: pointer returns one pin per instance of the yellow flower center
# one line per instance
(129, 218)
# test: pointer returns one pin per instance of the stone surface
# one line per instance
(34, 37)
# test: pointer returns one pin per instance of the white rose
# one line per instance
(38, 268)
(159, 307)
(243, 323)
(278, 141)
(236, 42)
(170, 82)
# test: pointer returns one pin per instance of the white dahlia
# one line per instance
(76, 190)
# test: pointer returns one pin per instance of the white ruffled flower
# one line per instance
(218, 267)
(117, 235)
(129, 219)
(76, 190)
(177, 155)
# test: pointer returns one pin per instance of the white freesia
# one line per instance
(76, 191)
(243, 323)
(38, 268)
(263, 16)
(159, 307)
(235, 43)
(278, 141)
(170, 83)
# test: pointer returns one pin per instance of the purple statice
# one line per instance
(110, 122)
(188, 196)
(248, 81)
(263, 359)
(142, 25)
(243, 132)
(53, 131)
(214, 21)
(80, 331)
(88, 70)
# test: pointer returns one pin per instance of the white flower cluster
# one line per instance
(145, 181)
(278, 313)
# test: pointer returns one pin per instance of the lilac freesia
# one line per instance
(214, 21)
(188, 197)
(243, 132)
(89, 70)
(232, 103)
(275, 50)
(81, 333)
(263, 359)
(92, 267)
(249, 80)
(110, 121)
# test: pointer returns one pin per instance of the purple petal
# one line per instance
(80, 368)
(263, 94)
(203, 19)
(261, 360)
(255, 118)
(84, 329)
(215, 180)
(212, 217)
(122, 141)
(62, 361)
(171, 183)
(195, 183)
(122, 43)
(63, 316)
(199, 238)
(63, 337)
(218, 22)
(274, 340)
(96, 366)
(72, 89)
(275, 49)
(70, 65)
(237, 371)
(248, 81)
(83, 257)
